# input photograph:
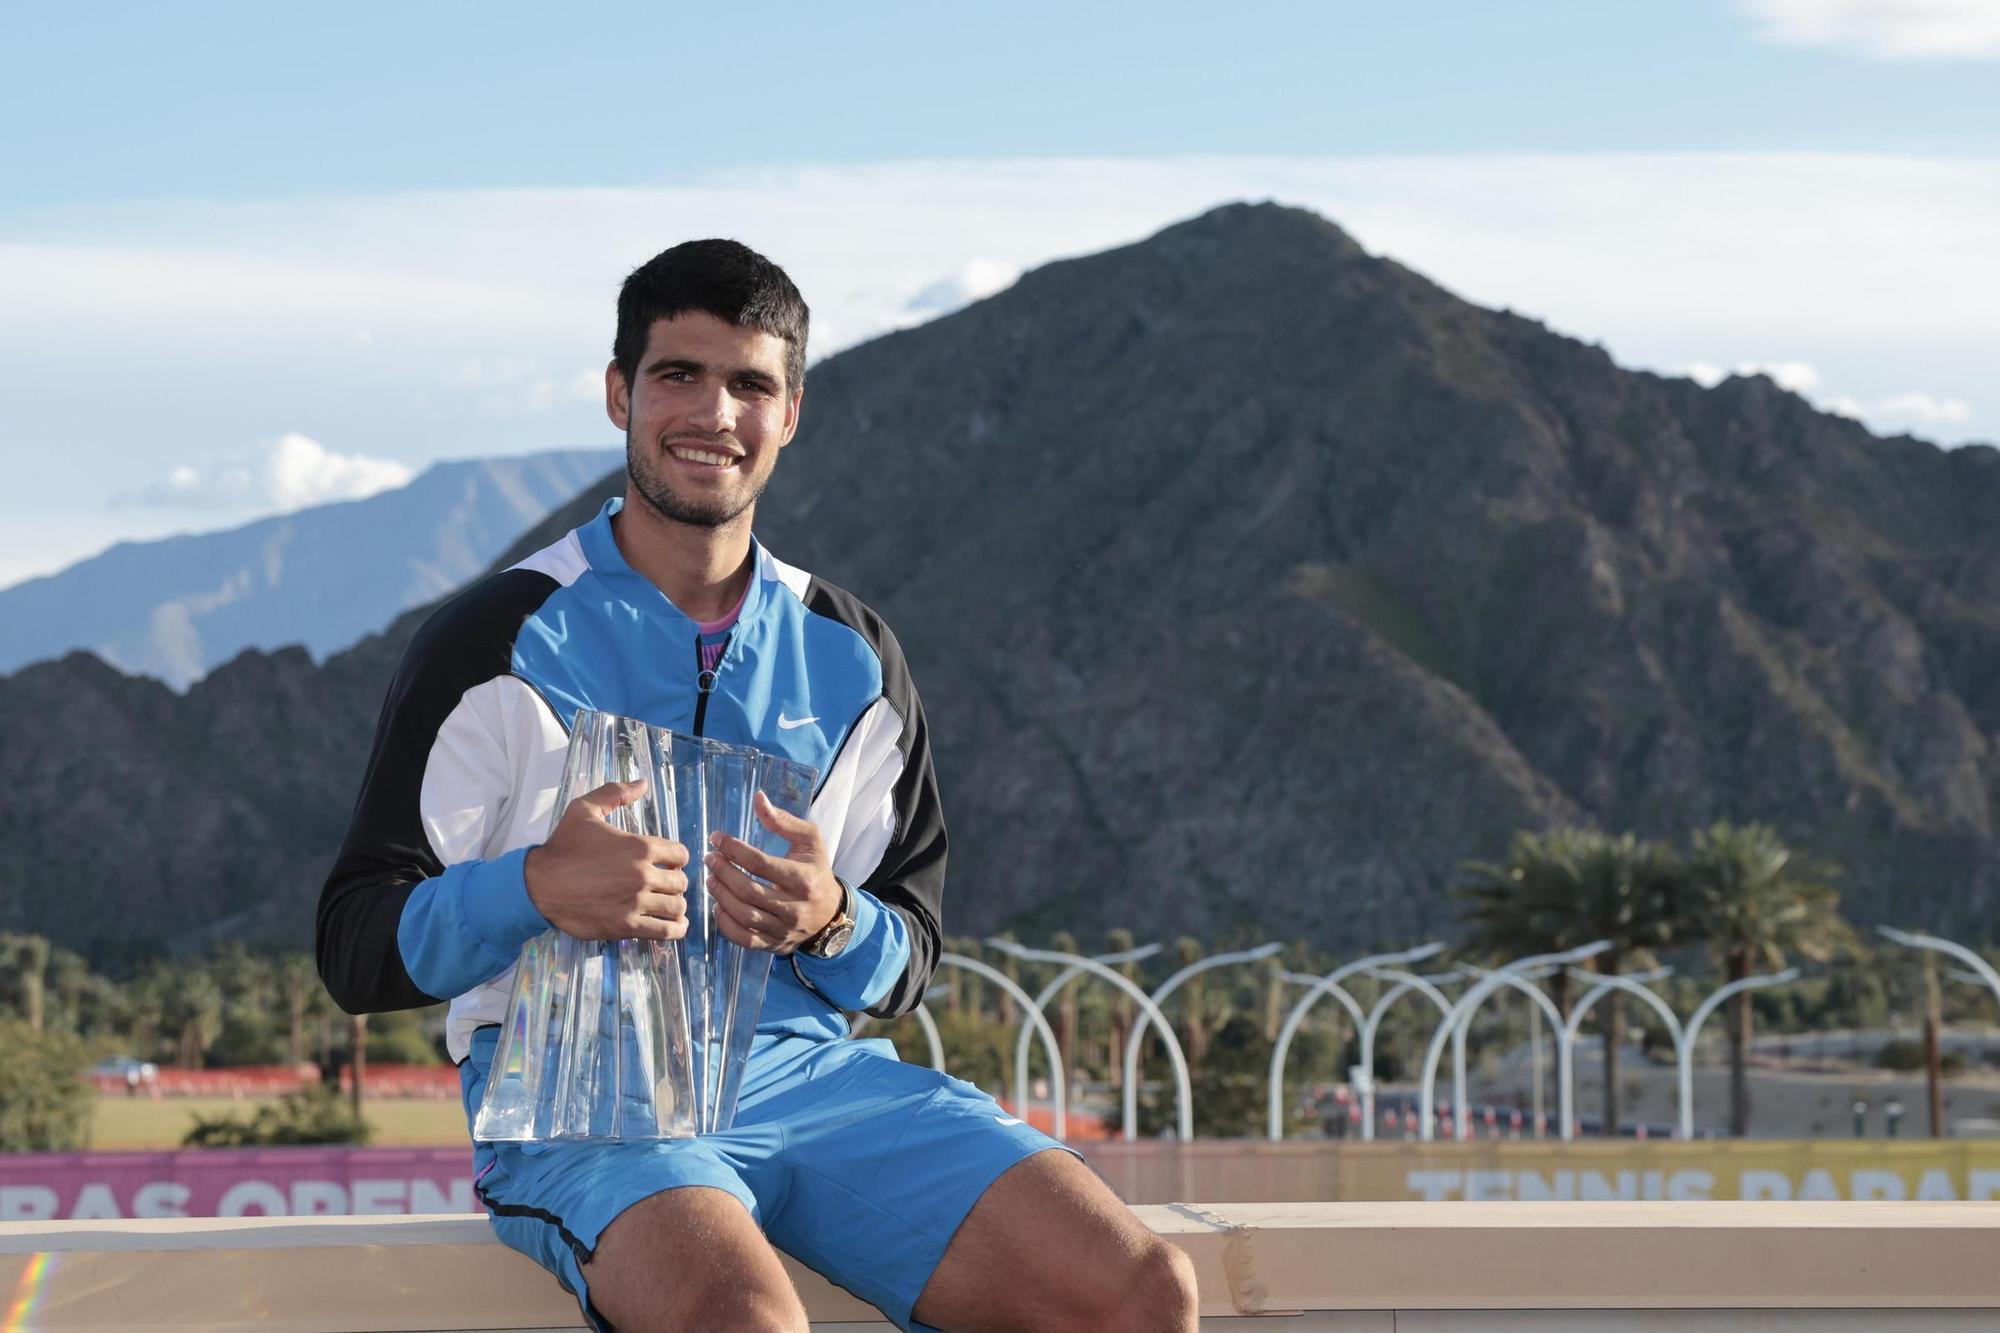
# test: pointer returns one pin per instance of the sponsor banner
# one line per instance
(1738, 1169)
(235, 1182)
(1251, 1172)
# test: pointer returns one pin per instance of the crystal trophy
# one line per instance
(641, 1039)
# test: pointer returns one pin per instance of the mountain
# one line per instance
(1252, 584)
(322, 577)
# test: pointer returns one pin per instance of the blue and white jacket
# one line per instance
(427, 900)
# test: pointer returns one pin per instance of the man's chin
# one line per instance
(678, 509)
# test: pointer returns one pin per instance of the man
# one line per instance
(909, 1188)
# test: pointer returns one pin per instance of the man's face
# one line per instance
(704, 418)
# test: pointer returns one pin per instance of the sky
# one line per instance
(254, 257)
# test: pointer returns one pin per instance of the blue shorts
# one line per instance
(854, 1163)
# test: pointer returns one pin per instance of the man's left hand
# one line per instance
(798, 894)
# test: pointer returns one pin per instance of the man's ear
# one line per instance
(617, 396)
(792, 417)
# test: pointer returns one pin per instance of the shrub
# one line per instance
(311, 1115)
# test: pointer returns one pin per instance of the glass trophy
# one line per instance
(641, 1039)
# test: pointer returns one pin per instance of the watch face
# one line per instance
(835, 940)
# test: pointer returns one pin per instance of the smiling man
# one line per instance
(913, 1190)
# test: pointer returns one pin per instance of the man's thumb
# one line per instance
(601, 801)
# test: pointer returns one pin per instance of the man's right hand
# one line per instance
(596, 882)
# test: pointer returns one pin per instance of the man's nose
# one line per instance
(715, 410)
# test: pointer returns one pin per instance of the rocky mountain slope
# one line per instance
(1252, 584)
(177, 608)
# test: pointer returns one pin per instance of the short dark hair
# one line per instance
(726, 279)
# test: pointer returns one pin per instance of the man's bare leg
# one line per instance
(691, 1258)
(1049, 1247)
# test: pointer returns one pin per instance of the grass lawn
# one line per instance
(139, 1122)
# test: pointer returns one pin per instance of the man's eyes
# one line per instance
(751, 386)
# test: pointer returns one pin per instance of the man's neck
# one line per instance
(703, 571)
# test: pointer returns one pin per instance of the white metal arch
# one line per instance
(1274, 1121)
(1405, 983)
(1129, 1086)
(1031, 1016)
(1454, 1026)
(1183, 1085)
(1055, 987)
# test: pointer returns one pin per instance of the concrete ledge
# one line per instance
(1373, 1267)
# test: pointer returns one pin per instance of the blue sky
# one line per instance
(391, 232)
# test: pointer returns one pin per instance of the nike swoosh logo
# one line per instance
(788, 723)
(1006, 1119)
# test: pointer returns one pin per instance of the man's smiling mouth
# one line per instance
(705, 457)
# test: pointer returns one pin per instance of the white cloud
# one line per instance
(1798, 376)
(1925, 408)
(1802, 378)
(485, 309)
(1885, 29)
(976, 281)
(290, 472)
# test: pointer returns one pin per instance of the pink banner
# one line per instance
(235, 1182)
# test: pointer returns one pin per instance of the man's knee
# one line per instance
(1151, 1291)
(691, 1258)
(1158, 1292)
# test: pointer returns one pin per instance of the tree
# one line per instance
(1524, 905)
(1194, 1002)
(45, 1100)
(189, 1009)
(304, 992)
(1756, 902)
(1064, 942)
(1123, 1012)
(24, 962)
(1570, 887)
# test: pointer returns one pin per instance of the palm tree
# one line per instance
(1194, 1002)
(1119, 940)
(1756, 902)
(1569, 887)
(24, 962)
(1632, 892)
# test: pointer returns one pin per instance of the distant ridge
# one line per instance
(1252, 583)
(322, 577)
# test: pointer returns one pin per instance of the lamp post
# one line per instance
(1455, 1025)
(1979, 965)
(1031, 1017)
(1130, 1085)
(1405, 983)
(1632, 985)
(1061, 979)
(1183, 1086)
(1700, 1016)
(1329, 984)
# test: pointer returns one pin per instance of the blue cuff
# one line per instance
(872, 961)
(468, 924)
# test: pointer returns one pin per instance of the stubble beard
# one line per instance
(676, 508)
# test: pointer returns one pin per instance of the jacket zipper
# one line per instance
(704, 681)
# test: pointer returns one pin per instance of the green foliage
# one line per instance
(318, 1114)
(45, 1099)
(24, 964)
(977, 1047)
(1232, 1085)
(399, 1038)
(1756, 901)
(1906, 1055)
